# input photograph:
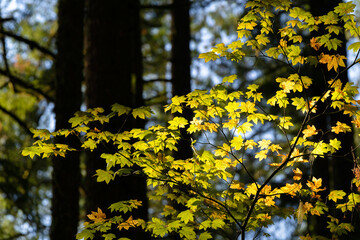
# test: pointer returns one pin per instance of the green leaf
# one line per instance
(89, 144)
(217, 223)
(336, 195)
(158, 227)
(205, 236)
(106, 176)
(187, 233)
(186, 216)
(85, 234)
(43, 134)
(120, 109)
(177, 122)
(31, 152)
(354, 46)
(141, 112)
(125, 206)
(229, 79)
(174, 225)
(209, 56)
(108, 236)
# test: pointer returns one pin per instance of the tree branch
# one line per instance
(17, 119)
(32, 44)
(4, 55)
(152, 6)
(17, 80)
(157, 80)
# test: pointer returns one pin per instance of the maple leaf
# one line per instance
(209, 56)
(309, 131)
(186, 216)
(345, 8)
(229, 79)
(261, 155)
(354, 46)
(262, 39)
(177, 122)
(141, 112)
(85, 234)
(247, 25)
(247, 107)
(245, 127)
(287, 86)
(332, 61)
(98, 216)
(237, 142)
(250, 144)
(336, 144)
(315, 44)
(315, 184)
(264, 144)
(274, 147)
(232, 107)
(336, 195)
(340, 127)
(297, 174)
(205, 236)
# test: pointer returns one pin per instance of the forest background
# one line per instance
(58, 57)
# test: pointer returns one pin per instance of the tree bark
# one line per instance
(69, 70)
(113, 73)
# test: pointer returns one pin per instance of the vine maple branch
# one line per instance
(21, 82)
(17, 119)
(31, 43)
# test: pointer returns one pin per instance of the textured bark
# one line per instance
(113, 73)
(69, 69)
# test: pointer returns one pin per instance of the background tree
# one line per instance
(113, 74)
(69, 72)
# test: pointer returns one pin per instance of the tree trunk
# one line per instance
(113, 73)
(181, 77)
(336, 172)
(180, 68)
(69, 69)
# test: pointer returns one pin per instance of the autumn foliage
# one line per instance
(221, 194)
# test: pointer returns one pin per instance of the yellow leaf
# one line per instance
(264, 144)
(336, 195)
(261, 155)
(340, 127)
(309, 131)
(245, 127)
(247, 107)
(314, 44)
(209, 56)
(297, 174)
(250, 144)
(237, 142)
(98, 216)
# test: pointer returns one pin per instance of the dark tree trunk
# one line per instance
(69, 69)
(113, 73)
(336, 172)
(181, 77)
(180, 68)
